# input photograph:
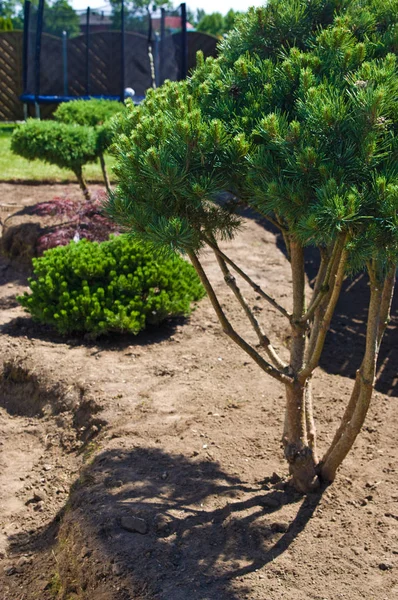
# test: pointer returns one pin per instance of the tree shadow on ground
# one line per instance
(206, 529)
(345, 342)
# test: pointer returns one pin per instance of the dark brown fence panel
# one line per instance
(77, 66)
(200, 41)
(137, 72)
(10, 75)
(105, 64)
(196, 40)
(51, 76)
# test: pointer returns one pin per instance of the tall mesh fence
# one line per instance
(101, 52)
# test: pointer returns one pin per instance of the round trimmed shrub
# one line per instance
(113, 286)
(91, 112)
(96, 113)
(65, 145)
(62, 144)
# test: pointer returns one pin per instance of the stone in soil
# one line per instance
(134, 525)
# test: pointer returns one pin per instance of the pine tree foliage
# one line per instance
(172, 164)
(297, 118)
(320, 117)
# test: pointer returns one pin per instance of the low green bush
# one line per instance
(62, 144)
(114, 286)
(95, 113)
(91, 112)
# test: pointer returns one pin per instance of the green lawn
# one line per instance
(16, 168)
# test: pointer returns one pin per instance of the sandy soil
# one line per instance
(150, 466)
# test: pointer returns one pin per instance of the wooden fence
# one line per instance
(104, 65)
(10, 75)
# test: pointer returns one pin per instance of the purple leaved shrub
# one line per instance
(77, 220)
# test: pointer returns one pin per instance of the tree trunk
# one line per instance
(310, 423)
(358, 406)
(82, 184)
(299, 436)
(298, 452)
(105, 173)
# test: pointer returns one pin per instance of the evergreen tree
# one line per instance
(297, 119)
(200, 13)
(230, 19)
(8, 8)
(212, 24)
(215, 23)
(59, 17)
(137, 13)
(10, 15)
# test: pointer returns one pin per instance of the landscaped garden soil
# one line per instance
(151, 466)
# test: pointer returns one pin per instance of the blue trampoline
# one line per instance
(103, 54)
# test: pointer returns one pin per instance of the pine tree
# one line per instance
(297, 119)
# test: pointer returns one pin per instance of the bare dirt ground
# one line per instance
(150, 467)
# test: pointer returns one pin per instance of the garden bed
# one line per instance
(171, 443)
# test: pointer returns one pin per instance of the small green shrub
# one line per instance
(93, 113)
(65, 145)
(113, 286)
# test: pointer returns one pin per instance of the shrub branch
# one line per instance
(324, 274)
(105, 173)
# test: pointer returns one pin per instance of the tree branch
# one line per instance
(229, 330)
(386, 300)
(334, 261)
(358, 406)
(309, 415)
(286, 239)
(298, 343)
(262, 337)
(274, 222)
(323, 286)
(246, 277)
(312, 308)
(320, 276)
(325, 323)
(385, 304)
(105, 173)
